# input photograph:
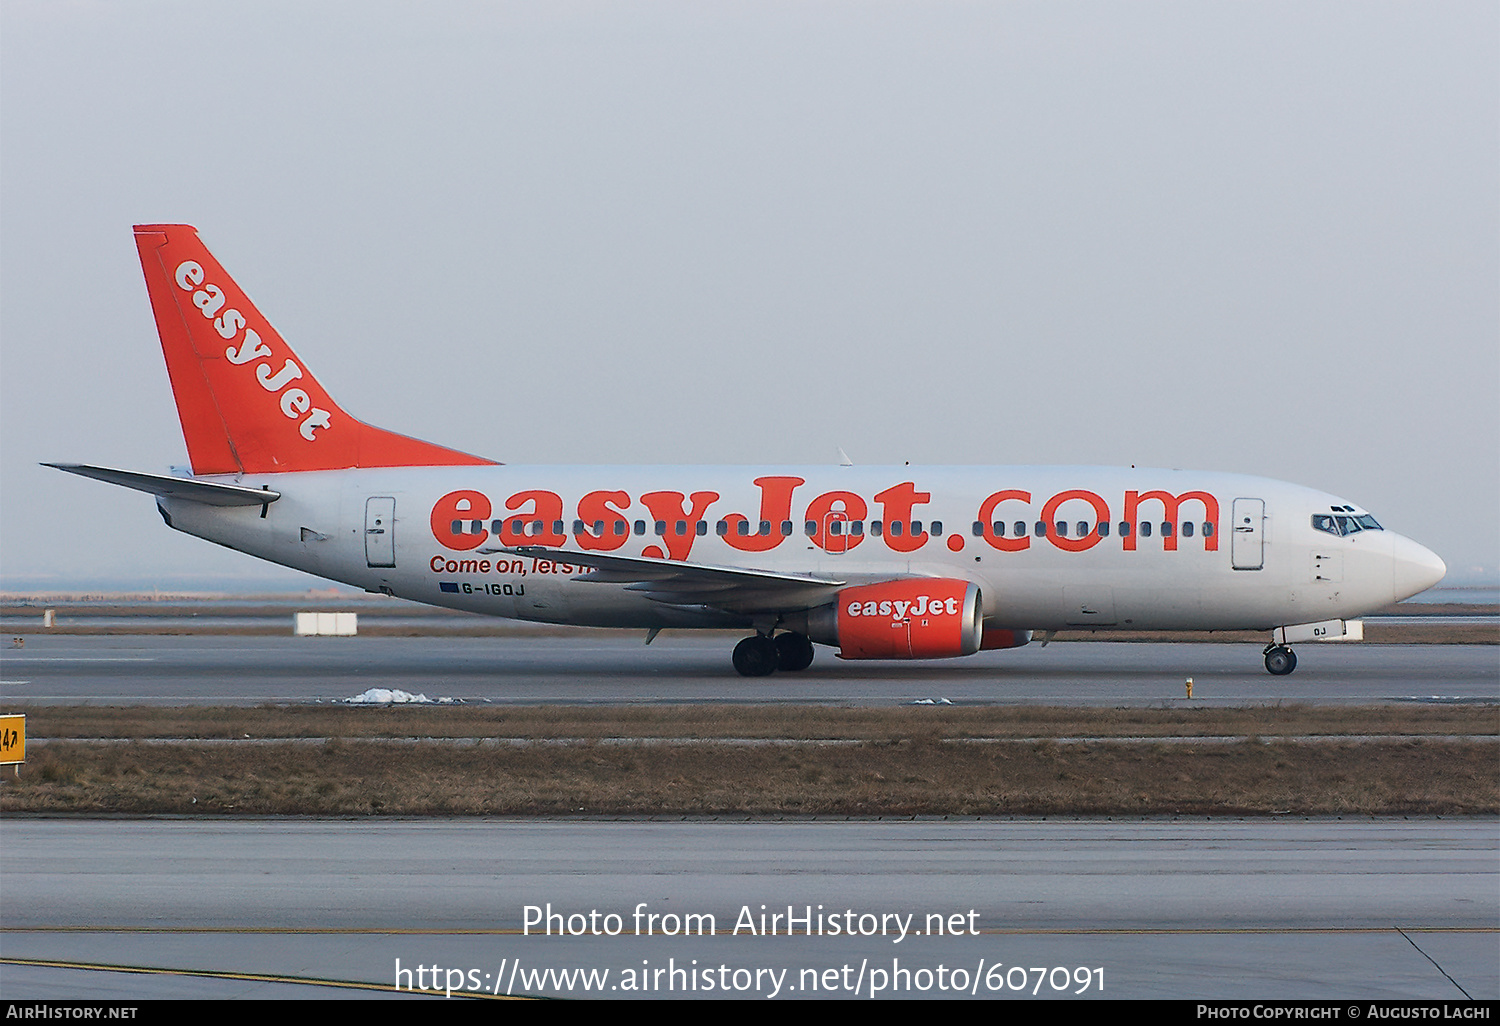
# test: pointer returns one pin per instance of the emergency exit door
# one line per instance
(380, 534)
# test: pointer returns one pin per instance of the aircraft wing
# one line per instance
(731, 588)
(206, 492)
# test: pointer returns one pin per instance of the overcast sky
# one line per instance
(1257, 237)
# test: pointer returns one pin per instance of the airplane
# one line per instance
(877, 562)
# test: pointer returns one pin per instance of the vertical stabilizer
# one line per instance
(248, 404)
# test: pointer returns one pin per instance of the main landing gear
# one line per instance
(762, 654)
(1280, 660)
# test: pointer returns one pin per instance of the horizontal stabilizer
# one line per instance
(206, 492)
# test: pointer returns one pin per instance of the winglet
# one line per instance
(247, 403)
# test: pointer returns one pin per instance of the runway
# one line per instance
(1161, 909)
(588, 668)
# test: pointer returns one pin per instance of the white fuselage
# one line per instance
(1198, 551)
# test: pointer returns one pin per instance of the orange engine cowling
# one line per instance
(1004, 637)
(915, 618)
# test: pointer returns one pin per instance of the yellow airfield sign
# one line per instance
(12, 739)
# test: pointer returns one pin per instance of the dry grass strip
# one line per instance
(785, 722)
(909, 776)
(759, 760)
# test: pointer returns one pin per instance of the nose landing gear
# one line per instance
(1280, 660)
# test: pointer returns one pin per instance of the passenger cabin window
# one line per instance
(1187, 529)
(810, 528)
(621, 527)
(1062, 528)
(1208, 529)
(681, 528)
(1104, 528)
(876, 526)
(935, 528)
(895, 528)
(640, 527)
(1020, 526)
(1166, 529)
(1124, 529)
(742, 528)
(661, 528)
(1146, 529)
(700, 528)
(721, 528)
(1041, 528)
(857, 528)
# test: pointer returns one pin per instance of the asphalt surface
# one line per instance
(1161, 909)
(175, 670)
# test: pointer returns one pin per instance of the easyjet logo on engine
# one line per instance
(897, 609)
(210, 301)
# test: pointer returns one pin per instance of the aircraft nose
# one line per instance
(1414, 567)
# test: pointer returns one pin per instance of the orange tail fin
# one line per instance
(247, 403)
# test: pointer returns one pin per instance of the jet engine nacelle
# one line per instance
(917, 618)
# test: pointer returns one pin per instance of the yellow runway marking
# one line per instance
(211, 974)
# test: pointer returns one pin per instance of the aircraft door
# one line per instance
(1247, 549)
(380, 531)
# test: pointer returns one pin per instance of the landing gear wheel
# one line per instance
(793, 651)
(755, 656)
(1280, 660)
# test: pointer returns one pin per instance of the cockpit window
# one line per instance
(1343, 524)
